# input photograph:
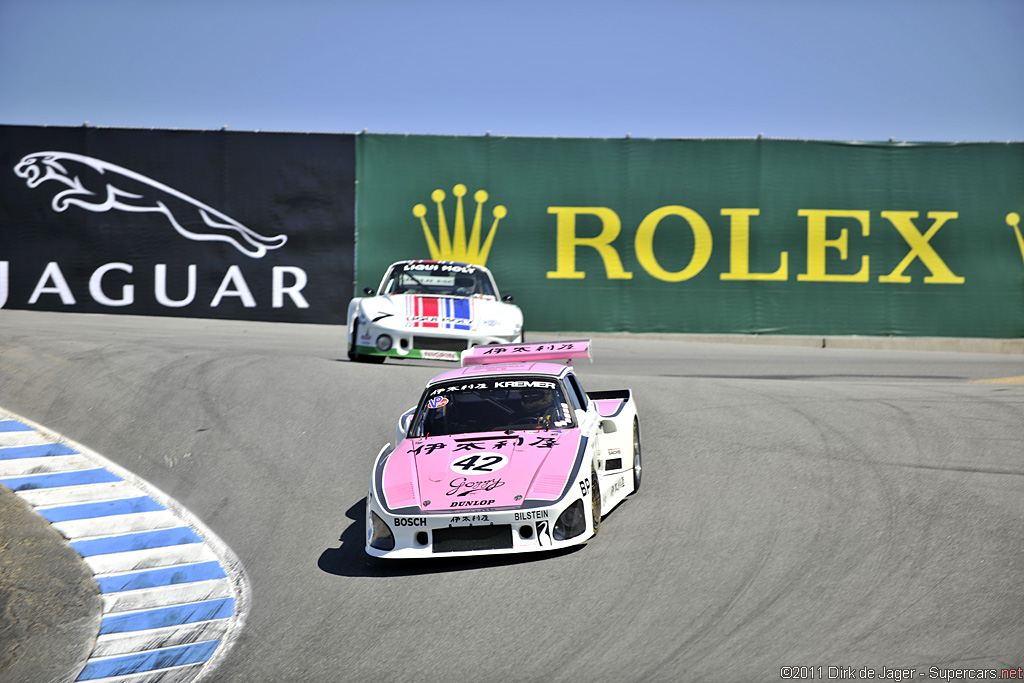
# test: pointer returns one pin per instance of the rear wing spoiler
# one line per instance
(518, 353)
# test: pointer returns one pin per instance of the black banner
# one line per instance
(198, 224)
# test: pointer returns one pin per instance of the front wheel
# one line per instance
(352, 355)
(359, 357)
(595, 500)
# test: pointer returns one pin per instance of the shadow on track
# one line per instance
(350, 559)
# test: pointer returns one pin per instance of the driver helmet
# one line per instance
(536, 400)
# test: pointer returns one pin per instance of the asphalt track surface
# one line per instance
(800, 506)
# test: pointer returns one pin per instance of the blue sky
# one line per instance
(915, 70)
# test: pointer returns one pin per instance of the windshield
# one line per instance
(492, 405)
(440, 279)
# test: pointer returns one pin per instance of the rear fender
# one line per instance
(617, 412)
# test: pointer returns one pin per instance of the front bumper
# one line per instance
(430, 344)
(476, 532)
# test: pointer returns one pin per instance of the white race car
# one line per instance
(432, 310)
(506, 455)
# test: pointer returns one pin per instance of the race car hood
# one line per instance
(488, 470)
(416, 311)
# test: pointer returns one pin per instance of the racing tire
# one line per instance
(637, 465)
(595, 500)
(359, 357)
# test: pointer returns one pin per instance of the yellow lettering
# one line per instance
(920, 247)
(1012, 219)
(701, 243)
(817, 243)
(739, 249)
(567, 241)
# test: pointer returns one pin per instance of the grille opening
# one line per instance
(439, 343)
(463, 538)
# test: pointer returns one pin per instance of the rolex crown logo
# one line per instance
(454, 247)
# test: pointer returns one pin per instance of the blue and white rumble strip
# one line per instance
(174, 596)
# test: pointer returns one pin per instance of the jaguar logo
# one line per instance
(98, 186)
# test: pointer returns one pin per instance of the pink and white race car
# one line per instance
(507, 454)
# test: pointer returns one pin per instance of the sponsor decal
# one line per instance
(410, 521)
(427, 448)
(464, 487)
(470, 503)
(513, 349)
(455, 247)
(468, 519)
(439, 355)
(543, 537)
(616, 486)
(428, 266)
(531, 515)
(460, 387)
(494, 384)
(469, 444)
(523, 384)
(500, 440)
(437, 402)
(408, 280)
(439, 313)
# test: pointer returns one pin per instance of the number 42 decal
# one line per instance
(479, 462)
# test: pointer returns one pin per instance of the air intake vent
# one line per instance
(439, 343)
(462, 538)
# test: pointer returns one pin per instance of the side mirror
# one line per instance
(508, 298)
(368, 291)
(404, 423)
(608, 426)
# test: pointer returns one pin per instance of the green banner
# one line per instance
(711, 236)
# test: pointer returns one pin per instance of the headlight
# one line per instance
(384, 342)
(381, 537)
(571, 523)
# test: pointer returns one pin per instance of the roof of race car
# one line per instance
(524, 368)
